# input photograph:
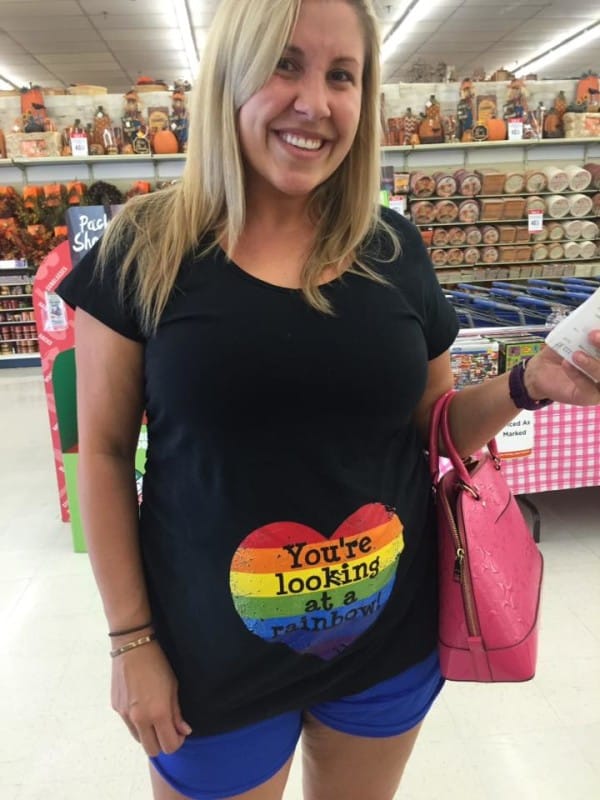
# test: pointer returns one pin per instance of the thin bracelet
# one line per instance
(130, 630)
(132, 645)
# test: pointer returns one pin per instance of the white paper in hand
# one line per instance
(571, 334)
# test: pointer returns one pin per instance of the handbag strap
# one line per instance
(440, 428)
(435, 432)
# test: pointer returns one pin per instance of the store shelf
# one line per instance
(531, 243)
(477, 280)
(14, 341)
(522, 221)
(5, 360)
(14, 310)
(520, 263)
(527, 143)
(14, 271)
(473, 155)
(481, 280)
(91, 168)
(13, 296)
(25, 163)
(434, 198)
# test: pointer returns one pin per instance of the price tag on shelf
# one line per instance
(79, 145)
(515, 129)
(398, 203)
(536, 220)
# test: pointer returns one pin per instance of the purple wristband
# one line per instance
(518, 391)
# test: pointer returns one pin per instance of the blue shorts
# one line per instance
(228, 764)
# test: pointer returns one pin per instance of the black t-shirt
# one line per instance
(286, 528)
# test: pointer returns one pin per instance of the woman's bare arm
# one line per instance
(109, 411)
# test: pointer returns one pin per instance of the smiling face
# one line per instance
(297, 130)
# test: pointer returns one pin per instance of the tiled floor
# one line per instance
(60, 741)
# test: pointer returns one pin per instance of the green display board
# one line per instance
(64, 385)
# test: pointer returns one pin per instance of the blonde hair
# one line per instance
(157, 231)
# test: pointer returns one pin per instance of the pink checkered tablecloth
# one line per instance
(566, 452)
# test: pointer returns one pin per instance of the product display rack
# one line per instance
(500, 157)
(16, 343)
(18, 333)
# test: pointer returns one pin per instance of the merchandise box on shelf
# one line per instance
(473, 359)
(513, 349)
(33, 145)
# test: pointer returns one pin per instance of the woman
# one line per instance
(287, 340)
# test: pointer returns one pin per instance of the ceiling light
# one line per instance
(553, 51)
(187, 34)
(404, 25)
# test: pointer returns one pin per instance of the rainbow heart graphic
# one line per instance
(292, 586)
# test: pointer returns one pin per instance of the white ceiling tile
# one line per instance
(133, 22)
(111, 40)
(116, 7)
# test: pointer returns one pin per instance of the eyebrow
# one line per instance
(298, 51)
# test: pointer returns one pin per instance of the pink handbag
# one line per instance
(490, 569)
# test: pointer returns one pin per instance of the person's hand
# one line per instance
(550, 375)
(144, 694)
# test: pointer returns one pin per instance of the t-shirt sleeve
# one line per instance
(419, 280)
(97, 294)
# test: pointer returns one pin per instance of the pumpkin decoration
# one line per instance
(53, 194)
(497, 130)
(139, 187)
(165, 143)
(31, 195)
(492, 130)
(36, 230)
(8, 199)
(75, 192)
(588, 91)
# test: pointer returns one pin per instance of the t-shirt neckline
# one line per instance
(235, 269)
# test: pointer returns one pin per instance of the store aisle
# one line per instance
(59, 740)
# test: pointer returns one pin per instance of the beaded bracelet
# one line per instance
(132, 645)
(518, 391)
(130, 630)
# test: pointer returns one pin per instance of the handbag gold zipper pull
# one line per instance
(459, 564)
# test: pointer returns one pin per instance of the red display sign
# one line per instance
(56, 333)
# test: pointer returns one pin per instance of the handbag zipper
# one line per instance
(461, 575)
